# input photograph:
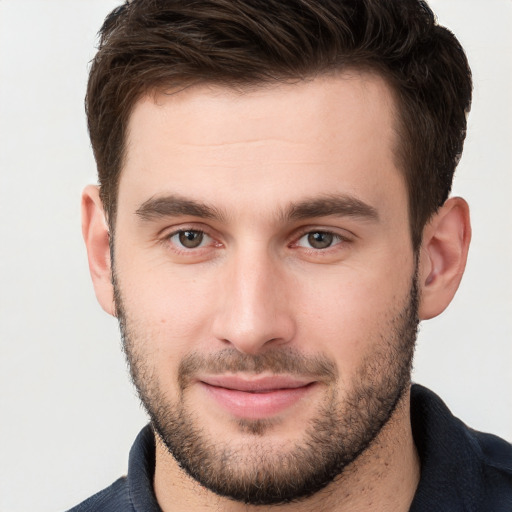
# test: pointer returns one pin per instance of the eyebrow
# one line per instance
(332, 205)
(176, 206)
(323, 206)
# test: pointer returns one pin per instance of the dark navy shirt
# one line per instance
(461, 470)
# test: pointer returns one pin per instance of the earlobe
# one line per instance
(443, 256)
(97, 240)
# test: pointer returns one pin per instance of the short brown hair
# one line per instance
(151, 44)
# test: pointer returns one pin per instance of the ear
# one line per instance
(96, 236)
(443, 256)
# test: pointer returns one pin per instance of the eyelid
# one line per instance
(337, 239)
(166, 234)
(203, 242)
(343, 234)
(186, 226)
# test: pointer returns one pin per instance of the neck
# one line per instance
(383, 478)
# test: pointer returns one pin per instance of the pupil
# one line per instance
(320, 240)
(191, 239)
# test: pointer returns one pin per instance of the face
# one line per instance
(265, 279)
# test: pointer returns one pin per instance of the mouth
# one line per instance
(258, 397)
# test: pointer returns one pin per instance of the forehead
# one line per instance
(267, 144)
(322, 103)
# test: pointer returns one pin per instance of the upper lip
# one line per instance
(255, 384)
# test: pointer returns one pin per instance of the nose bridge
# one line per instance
(254, 311)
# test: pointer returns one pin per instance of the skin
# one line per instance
(255, 284)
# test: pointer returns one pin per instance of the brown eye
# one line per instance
(190, 239)
(320, 239)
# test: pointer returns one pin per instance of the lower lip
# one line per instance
(243, 404)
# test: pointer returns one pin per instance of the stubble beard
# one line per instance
(256, 472)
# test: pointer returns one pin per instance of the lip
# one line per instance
(255, 398)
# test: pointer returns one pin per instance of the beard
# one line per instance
(254, 471)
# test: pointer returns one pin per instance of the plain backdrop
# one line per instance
(68, 411)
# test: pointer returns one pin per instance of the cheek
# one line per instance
(170, 309)
(348, 314)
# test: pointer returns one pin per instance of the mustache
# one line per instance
(276, 361)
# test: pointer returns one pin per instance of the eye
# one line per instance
(319, 240)
(189, 238)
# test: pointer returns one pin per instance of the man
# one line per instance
(272, 222)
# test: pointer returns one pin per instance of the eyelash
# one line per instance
(187, 250)
(337, 239)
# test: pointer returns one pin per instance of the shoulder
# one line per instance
(461, 469)
(494, 451)
(440, 429)
(134, 492)
(495, 455)
(114, 498)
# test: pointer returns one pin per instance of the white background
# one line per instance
(68, 411)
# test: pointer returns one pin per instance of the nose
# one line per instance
(254, 312)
